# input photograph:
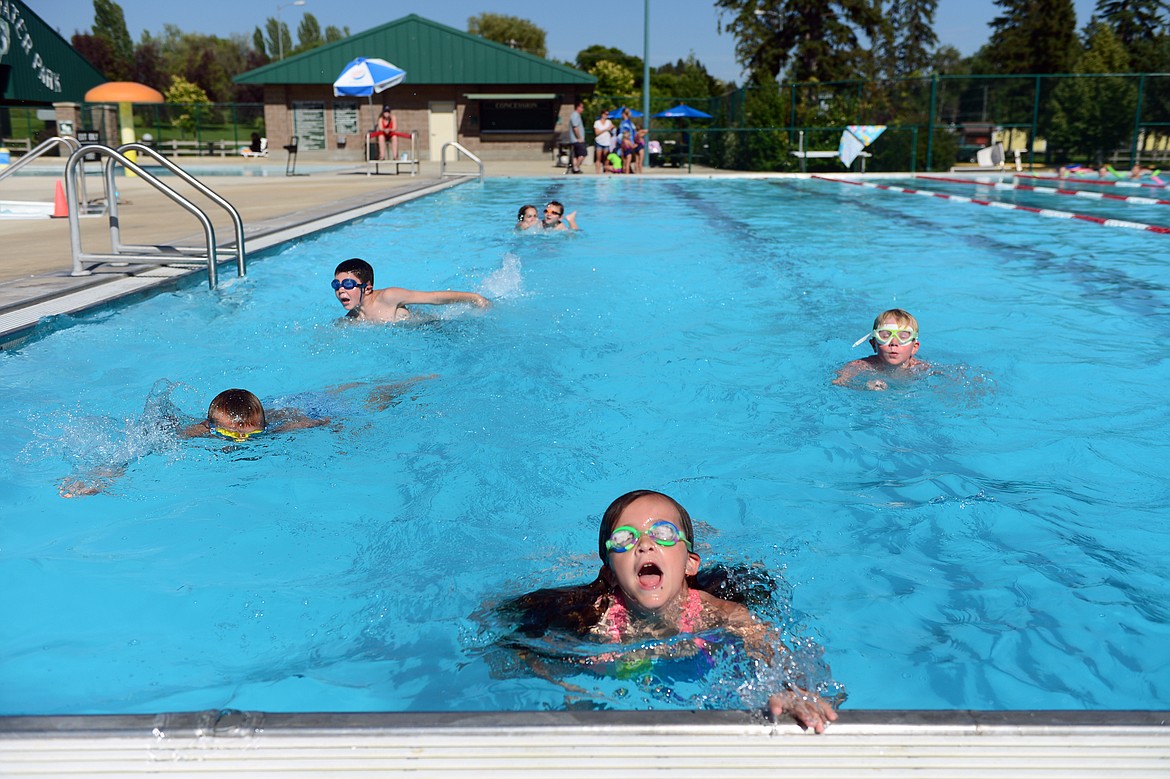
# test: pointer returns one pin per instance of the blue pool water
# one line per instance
(990, 537)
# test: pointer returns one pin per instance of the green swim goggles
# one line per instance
(887, 333)
(664, 533)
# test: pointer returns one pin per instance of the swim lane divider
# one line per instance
(982, 182)
(1048, 212)
(1090, 182)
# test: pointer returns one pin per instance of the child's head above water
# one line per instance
(527, 216)
(894, 337)
(646, 541)
(358, 268)
(236, 413)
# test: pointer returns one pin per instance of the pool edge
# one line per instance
(591, 743)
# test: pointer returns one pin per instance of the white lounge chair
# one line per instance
(990, 158)
(805, 154)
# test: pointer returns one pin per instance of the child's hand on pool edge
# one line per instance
(808, 709)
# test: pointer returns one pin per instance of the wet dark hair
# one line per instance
(523, 208)
(611, 515)
(241, 405)
(359, 268)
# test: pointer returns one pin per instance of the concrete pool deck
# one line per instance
(35, 282)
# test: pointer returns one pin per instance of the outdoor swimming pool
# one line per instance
(991, 537)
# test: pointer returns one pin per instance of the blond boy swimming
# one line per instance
(894, 339)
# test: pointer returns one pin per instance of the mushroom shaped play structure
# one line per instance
(125, 94)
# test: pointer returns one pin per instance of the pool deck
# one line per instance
(36, 281)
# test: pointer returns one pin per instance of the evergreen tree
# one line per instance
(1094, 116)
(332, 33)
(914, 39)
(1033, 36)
(809, 40)
(1133, 20)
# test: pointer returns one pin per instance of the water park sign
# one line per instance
(36, 64)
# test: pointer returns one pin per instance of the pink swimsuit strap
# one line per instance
(688, 621)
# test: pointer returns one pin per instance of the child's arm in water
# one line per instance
(284, 420)
(97, 480)
(762, 642)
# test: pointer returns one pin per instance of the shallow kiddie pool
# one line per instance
(987, 538)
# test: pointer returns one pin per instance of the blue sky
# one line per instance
(677, 27)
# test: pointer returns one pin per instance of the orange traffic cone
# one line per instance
(60, 206)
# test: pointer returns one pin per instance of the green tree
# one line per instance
(1133, 20)
(182, 92)
(613, 80)
(110, 23)
(511, 31)
(1033, 36)
(333, 33)
(1093, 116)
(686, 79)
(808, 40)
(276, 38)
(912, 23)
(308, 34)
(588, 58)
(258, 42)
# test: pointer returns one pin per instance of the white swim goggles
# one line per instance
(886, 333)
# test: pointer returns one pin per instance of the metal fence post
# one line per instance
(1035, 125)
(1137, 121)
(930, 121)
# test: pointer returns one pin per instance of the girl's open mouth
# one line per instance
(649, 576)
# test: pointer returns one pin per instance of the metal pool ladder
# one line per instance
(458, 149)
(208, 254)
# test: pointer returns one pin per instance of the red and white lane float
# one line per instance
(985, 182)
(1047, 212)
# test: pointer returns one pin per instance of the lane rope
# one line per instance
(1046, 212)
(1090, 182)
(984, 182)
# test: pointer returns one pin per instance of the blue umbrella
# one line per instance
(682, 111)
(363, 77)
(617, 113)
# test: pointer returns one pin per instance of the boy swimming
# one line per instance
(643, 592)
(353, 284)
(894, 340)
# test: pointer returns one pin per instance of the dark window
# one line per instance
(516, 116)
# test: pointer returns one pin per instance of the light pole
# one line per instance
(646, 68)
(280, 27)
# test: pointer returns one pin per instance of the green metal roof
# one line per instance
(36, 64)
(429, 52)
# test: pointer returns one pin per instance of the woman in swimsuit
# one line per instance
(643, 592)
(387, 127)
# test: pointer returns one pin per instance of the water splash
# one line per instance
(505, 282)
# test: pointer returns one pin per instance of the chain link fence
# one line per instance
(933, 123)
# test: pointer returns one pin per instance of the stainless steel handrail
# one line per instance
(42, 148)
(458, 148)
(74, 217)
(115, 229)
(68, 141)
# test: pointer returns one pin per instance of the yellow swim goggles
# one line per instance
(234, 435)
(887, 333)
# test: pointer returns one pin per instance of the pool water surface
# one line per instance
(991, 536)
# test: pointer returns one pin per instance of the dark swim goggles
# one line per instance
(664, 533)
(345, 284)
